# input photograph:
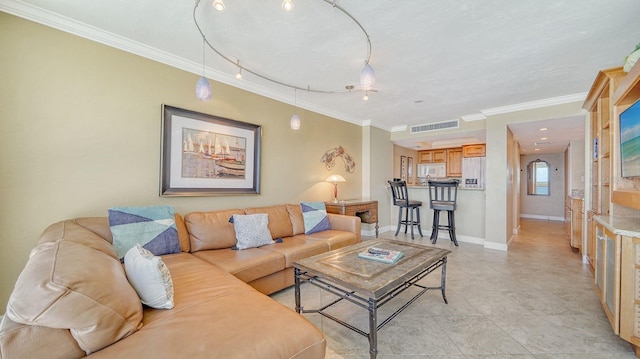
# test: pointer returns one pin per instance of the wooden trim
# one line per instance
(626, 198)
(599, 84)
(628, 90)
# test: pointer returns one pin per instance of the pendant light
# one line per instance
(203, 88)
(367, 77)
(218, 5)
(287, 5)
(295, 119)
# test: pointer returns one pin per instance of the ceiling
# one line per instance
(434, 60)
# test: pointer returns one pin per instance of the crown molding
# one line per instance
(65, 24)
(473, 117)
(578, 97)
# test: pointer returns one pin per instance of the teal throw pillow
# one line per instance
(315, 217)
(153, 227)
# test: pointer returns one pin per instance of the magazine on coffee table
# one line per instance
(381, 255)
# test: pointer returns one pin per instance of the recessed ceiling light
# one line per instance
(544, 138)
(536, 149)
(543, 129)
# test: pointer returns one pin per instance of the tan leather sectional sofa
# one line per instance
(73, 298)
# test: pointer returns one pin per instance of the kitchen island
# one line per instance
(469, 214)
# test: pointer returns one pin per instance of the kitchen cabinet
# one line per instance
(454, 162)
(439, 156)
(425, 156)
(432, 156)
(474, 150)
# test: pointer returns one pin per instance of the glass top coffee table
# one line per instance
(367, 283)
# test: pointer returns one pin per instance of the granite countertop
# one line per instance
(625, 226)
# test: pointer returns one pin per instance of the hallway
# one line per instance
(535, 301)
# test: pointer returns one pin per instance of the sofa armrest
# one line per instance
(340, 222)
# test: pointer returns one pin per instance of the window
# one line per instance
(538, 183)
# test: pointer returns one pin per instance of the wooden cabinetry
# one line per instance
(431, 156)
(600, 113)
(608, 274)
(630, 291)
(575, 233)
(474, 150)
(591, 240)
(454, 162)
(425, 156)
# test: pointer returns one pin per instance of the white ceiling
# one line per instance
(434, 60)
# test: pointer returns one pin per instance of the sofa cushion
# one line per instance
(335, 239)
(154, 227)
(70, 285)
(211, 230)
(150, 277)
(36, 342)
(251, 230)
(279, 222)
(246, 265)
(218, 316)
(315, 217)
(295, 248)
(295, 216)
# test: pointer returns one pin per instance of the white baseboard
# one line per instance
(497, 246)
(544, 218)
(516, 230)
(585, 259)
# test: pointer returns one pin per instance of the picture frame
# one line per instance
(403, 168)
(206, 155)
(410, 169)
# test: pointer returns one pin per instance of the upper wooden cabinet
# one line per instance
(425, 156)
(454, 162)
(439, 155)
(474, 150)
(431, 156)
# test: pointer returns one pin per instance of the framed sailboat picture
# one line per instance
(206, 155)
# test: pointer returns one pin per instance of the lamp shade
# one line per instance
(367, 78)
(335, 179)
(203, 89)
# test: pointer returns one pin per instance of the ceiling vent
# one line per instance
(435, 126)
(542, 143)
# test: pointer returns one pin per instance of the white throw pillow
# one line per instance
(252, 230)
(150, 277)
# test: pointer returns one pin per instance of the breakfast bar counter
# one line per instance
(470, 214)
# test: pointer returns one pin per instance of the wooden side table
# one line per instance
(366, 210)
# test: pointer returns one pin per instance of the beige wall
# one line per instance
(381, 159)
(544, 207)
(403, 151)
(80, 132)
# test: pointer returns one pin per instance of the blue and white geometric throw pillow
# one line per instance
(154, 228)
(315, 217)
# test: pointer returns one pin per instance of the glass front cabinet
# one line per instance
(607, 276)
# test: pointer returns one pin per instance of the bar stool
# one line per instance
(442, 197)
(401, 199)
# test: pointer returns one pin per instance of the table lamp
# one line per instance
(335, 179)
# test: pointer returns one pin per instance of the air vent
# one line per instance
(542, 143)
(435, 126)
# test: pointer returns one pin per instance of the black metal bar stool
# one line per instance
(442, 197)
(401, 199)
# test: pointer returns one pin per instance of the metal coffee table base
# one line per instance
(371, 304)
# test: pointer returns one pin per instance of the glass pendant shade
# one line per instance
(203, 89)
(287, 5)
(295, 122)
(367, 78)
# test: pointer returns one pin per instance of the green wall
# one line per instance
(80, 132)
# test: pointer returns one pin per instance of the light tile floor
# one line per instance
(535, 301)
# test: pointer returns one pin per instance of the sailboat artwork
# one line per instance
(213, 155)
